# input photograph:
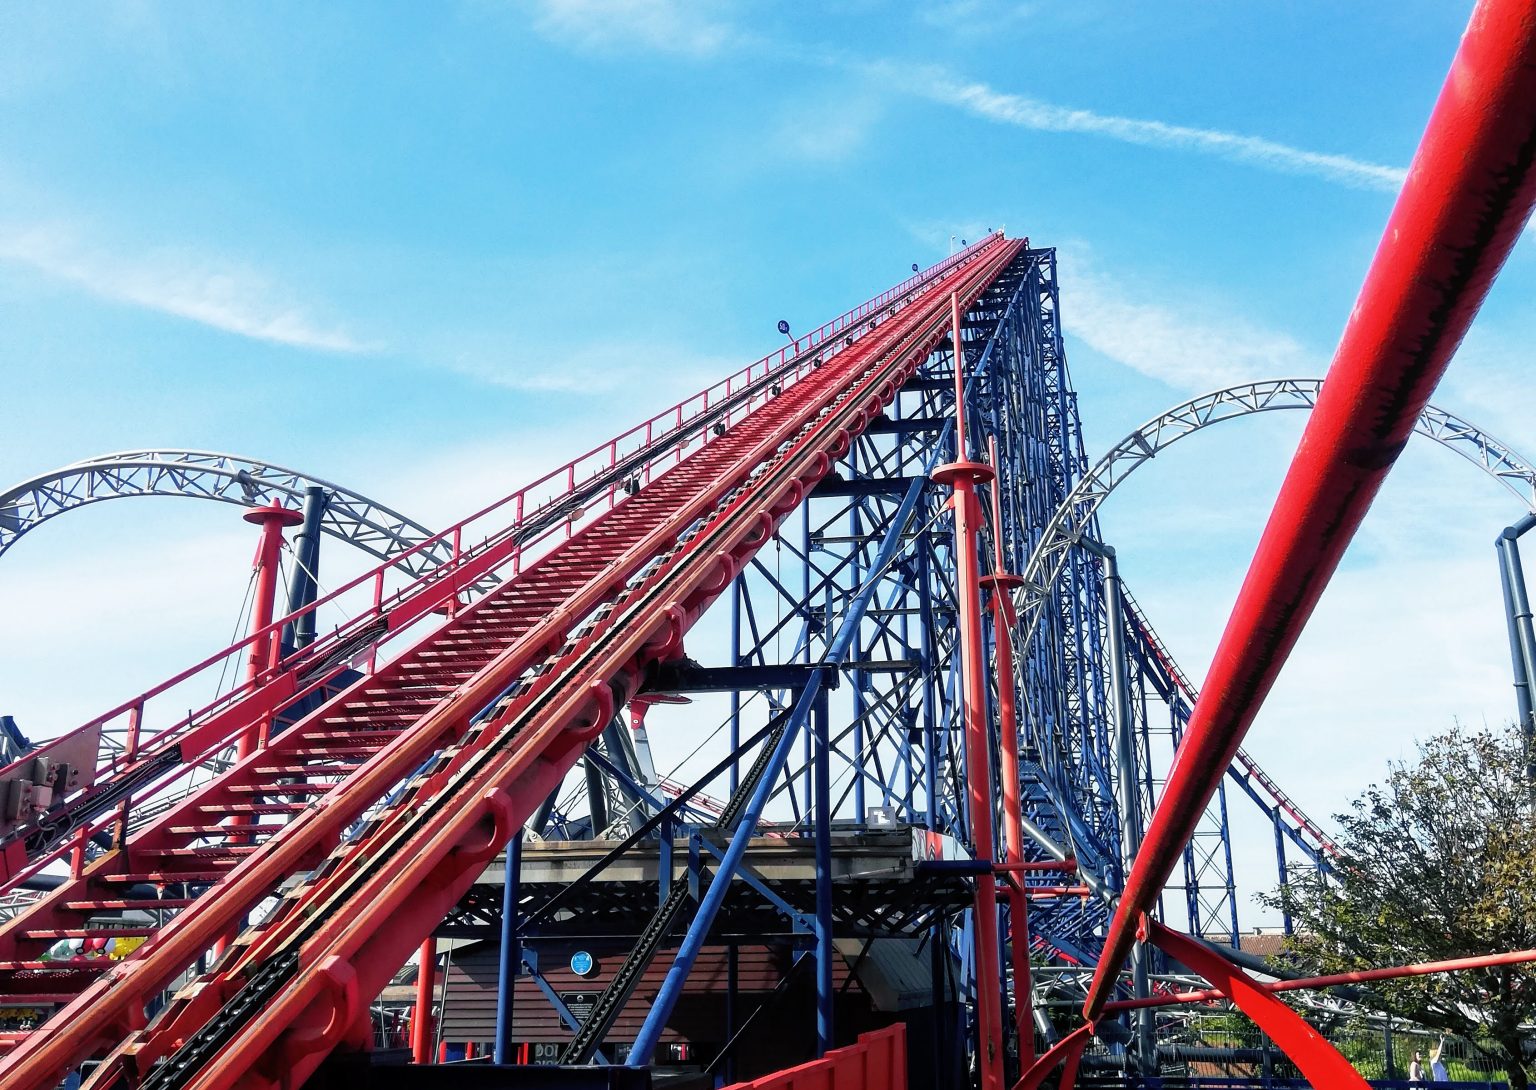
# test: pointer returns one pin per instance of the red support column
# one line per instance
(263, 653)
(1468, 194)
(1000, 583)
(962, 476)
(421, 1017)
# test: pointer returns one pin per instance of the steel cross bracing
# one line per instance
(482, 717)
(894, 748)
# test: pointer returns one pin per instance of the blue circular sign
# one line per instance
(582, 963)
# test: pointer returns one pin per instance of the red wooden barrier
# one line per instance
(877, 1061)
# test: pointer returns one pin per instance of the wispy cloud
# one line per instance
(974, 17)
(218, 294)
(669, 26)
(824, 132)
(699, 29)
(980, 100)
(1189, 349)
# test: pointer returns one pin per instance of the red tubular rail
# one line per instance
(876, 1061)
(1466, 198)
(1332, 980)
(1318, 1062)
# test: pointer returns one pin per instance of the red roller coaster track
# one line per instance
(369, 818)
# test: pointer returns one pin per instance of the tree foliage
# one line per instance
(1437, 862)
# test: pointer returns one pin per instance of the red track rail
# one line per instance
(492, 707)
(386, 616)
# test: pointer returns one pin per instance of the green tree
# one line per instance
(1438, 862)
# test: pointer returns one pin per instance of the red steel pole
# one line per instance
(262, 653)
(273, 520)
(962, 476)
(1359, 976)
(421, 1017)
(1465, 200)
(1000, 583)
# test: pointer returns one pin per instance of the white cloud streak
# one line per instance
(1192, 352)
(695, 29)
(604, 26)
(217, 294)
(980, 100)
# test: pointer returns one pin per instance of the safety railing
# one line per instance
(876, 1061)
(387, 606)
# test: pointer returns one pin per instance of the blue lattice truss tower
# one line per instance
(843, 674)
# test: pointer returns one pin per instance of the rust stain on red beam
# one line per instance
(1359, 976)
(1465, 200)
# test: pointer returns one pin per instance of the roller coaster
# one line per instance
(935, 842)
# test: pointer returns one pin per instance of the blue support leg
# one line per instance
(511, 950)
(823, 816)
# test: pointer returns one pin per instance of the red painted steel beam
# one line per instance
(963, 476)
(1359, 976)
(999, 583)
(1066, 1051)
(421, 1014)
(1319, 1062)
(1468, 193)
(1057, 891)
(273, 520)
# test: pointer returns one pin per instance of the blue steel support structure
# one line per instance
(857, 592)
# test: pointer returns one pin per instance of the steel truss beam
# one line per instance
(209, 475)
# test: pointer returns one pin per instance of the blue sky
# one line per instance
(429, 250)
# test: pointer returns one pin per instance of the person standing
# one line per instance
(1437, 1068)
(1416, 1069)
